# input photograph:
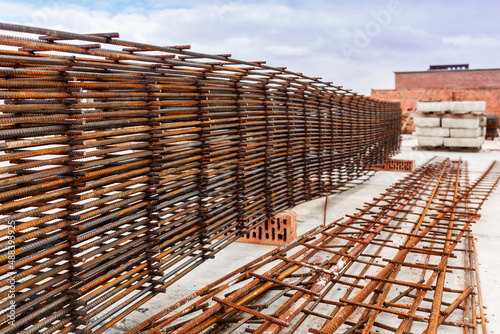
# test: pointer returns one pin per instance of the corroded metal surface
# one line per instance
(402, 264)
(125, 165)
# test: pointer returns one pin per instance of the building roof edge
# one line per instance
(448, 71)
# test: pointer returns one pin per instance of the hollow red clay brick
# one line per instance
(277, 231)
(397, 165)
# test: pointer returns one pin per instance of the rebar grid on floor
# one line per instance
(126, 165)
(402, 264)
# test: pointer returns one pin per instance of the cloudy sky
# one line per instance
(355, 44)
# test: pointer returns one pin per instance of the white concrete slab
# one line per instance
(430, 141)
(432, 132)
(463, 107)
(429, 122)
(463, 142)
(465, 133)
(435, 107)
(460, 123)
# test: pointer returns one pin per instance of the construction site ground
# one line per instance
(311, 214)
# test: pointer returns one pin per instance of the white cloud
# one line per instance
(287, 50)
(468, 41)
(303, 36)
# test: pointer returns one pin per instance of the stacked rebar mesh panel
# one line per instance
(126, 165)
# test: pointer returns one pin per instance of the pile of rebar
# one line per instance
(125, 165)
(405, 263)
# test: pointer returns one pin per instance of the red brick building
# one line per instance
(445, 83)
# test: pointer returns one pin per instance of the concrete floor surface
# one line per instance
(310, 215)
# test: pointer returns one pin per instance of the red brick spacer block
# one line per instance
(276, 231)
(398, 165)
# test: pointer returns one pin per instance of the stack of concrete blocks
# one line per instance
(454, 124)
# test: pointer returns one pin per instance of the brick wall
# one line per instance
(409, 97)
(459, 79)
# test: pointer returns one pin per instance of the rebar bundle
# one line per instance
(125, 165)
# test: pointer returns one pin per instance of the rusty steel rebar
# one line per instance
(126, 165)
